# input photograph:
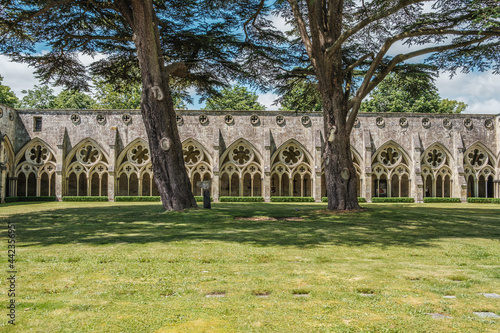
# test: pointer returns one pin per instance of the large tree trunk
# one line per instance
(158, 112)
(340, 174)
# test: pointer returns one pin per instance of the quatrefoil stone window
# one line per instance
(139, 154)
(88, 154)
(127, 119)
(291, 155)
(241, 155)
(101, 119)
(380, 122)
(228, 119)
(447, 123)
(75, 118)
(11, 116)
(306, 120)
(254, 120)
(435, 158)
(280, 120)
(203, 119)
(390, 157)
(468, 123)
(477, 158)
(426, 122)
(1, 112)
(488, 123)
(37, 155)
(192, 154)
(403, 122)
(178, 119)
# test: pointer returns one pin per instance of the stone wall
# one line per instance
(389, 150)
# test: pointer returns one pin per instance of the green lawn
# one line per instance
(128, 267)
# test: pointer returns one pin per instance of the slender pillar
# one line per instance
(61, 182)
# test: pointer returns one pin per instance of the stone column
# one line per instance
(366, 166)
(266, 179)
(417, 188)
(316, 178)
(216, 175)
(59, 173)
(112, 184)
(3, 178)
(460, 183)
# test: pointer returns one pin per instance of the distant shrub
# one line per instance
(484, 200)
(81, 198)
(441, 200)
(393, 200)
(325, 199)
(137, 198)
(241, 199)
(292, 199)
(29, 199)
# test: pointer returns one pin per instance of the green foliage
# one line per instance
(414, 92)
(109, 96)
(241, 199)
(301, 96)
(82, 198)
(68, 99)
(40, 97)
(29, 199)
(237, 98)
(138, 198)
(484, 200)
(360, 199)
(292, 199)
(441, 200)
(394, 200)
(7, 96)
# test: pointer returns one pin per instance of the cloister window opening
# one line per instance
(390, 173)
(35, 170)
(436, 172)
(241, 171)
(198, 164)
(135, 172)
(291, 171)
(87, 171)
(479, 172)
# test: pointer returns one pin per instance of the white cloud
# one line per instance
(479, 90)
(267, 100)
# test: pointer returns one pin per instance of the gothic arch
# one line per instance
(479, 167)
(241, 170)
(135, 172)
(291, 170)
(199, 164)
(8, 160)
(436, 164)
(391, 171)
(86, 170)
(35, 166)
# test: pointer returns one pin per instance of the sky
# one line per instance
(480, 91)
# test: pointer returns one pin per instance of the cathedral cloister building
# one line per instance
(248, 153)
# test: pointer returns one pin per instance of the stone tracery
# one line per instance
(241, 171)
(436, 172)
(390, 172)
(198, 164)
(479, 171)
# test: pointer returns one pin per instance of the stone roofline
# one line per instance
(263, 113)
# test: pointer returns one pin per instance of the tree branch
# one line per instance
(302, 27)
(368, 86)
(253, 18)
(348, 33)
(358, 62)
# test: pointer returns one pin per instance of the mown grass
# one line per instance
(129, 267)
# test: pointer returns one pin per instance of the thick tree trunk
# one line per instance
(158, 113)
(340, 174)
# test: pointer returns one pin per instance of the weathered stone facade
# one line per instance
(261, 153)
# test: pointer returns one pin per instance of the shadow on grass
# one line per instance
(379, 225)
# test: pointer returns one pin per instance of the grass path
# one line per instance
(128, 267)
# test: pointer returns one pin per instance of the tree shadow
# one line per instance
(379, 225)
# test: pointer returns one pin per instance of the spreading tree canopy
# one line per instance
(237, 98)
(347, 47)
(7, 96)
(161, 44)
